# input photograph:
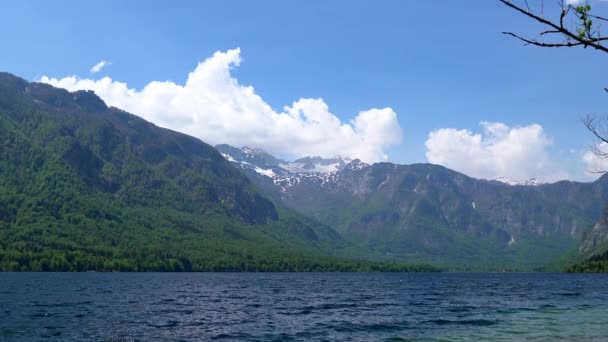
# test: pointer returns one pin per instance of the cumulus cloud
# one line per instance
(97, 67)
(212, 105)
(517, 153)
(596, 160)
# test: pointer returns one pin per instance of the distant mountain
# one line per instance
(529, 182)
(84, 186)
(263, 163)
(316, 164)
(253, 160)
(428, 213)
(275, 175)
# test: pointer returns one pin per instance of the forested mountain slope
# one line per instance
(88, 187)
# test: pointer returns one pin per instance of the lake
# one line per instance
(303, 306)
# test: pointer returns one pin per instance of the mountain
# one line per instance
(529, 182)
(275, 175)
(428, 213)
(594, 248)
(84, 186)
(595, 241)
(257, 160)
(316, 165)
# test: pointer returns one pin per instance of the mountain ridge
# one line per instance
(84, 186)
(429, 213)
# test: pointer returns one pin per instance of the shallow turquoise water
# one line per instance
(303, 307)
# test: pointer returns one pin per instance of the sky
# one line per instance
(399, 81)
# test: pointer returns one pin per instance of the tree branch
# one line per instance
(598, 129)
(583, 33)
(573, 39)
(537, 43)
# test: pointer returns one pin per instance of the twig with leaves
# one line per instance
(586, 32)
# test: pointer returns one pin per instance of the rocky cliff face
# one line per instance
(595, 241)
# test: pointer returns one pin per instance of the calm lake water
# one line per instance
(303, 307)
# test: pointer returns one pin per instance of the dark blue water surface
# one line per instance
(302, 307)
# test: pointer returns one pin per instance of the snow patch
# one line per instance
(529, 182)
(299, 167)
(388, 177)
(228, 157)
(357, 165)
(265, 172)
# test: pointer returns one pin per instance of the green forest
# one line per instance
(84, 187)
(594, 264)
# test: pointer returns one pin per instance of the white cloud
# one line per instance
(214, 107)
(97, 67)
(594, 163)
(517, 153)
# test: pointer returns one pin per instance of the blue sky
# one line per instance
(435, 64)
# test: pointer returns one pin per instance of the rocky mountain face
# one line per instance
(316, 165)
(428, 213)
(277, 176)
(263, 163)
(595, 241)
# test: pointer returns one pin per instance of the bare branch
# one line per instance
(549, 31)
(530, 14)
(597, 17)
(563, 15)
(537, 43)
(598, 129)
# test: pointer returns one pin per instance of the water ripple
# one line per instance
(303, 307)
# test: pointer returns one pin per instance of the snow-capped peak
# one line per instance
(529, 182)
(259, 158)
(250, 151)
(356, 165)
(316, 164)
(286, 174)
